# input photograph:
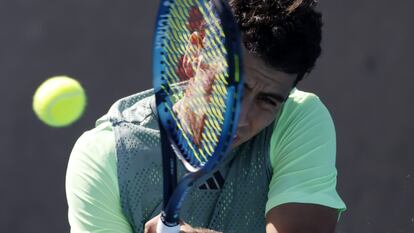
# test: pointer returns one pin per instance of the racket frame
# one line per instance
(174, 194)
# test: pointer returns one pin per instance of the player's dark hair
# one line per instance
(285, 33)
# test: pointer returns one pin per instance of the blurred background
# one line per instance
(364, 77)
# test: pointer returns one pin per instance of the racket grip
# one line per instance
(162, 228)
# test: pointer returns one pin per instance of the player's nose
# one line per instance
(245, 112)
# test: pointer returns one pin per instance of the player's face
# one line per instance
(264, 91)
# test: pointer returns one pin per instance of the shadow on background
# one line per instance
(364, 77)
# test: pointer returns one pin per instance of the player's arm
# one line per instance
(298, 218)
(287, 218)
(91, 186)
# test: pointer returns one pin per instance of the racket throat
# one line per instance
(169, 165)
(170, 215)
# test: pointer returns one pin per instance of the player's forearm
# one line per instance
(198, 230)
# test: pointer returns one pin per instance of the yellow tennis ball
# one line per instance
(59, 101)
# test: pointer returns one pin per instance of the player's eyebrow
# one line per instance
(275, 96)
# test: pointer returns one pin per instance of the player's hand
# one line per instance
(151, 227)
(186, 228)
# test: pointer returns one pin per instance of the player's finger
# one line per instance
(151, 225)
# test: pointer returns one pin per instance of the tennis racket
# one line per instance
(197, 80)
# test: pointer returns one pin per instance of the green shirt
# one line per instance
(302, 155)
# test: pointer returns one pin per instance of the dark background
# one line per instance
(364, 77)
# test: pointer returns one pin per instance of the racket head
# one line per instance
(197, 79)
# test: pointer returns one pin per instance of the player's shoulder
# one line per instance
(95, 146)
(137, 109)
(99, 143)
(303, 125)
(299, 98)
(302, 104)
(303, 114)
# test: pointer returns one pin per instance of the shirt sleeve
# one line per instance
(92, 187)
(302, 155)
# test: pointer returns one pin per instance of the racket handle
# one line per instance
(162, 228)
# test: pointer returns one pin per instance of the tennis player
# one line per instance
(282, 175)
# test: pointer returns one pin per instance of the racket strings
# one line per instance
(198, 80)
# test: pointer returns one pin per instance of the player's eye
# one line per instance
(246, 87)
(268, 101)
